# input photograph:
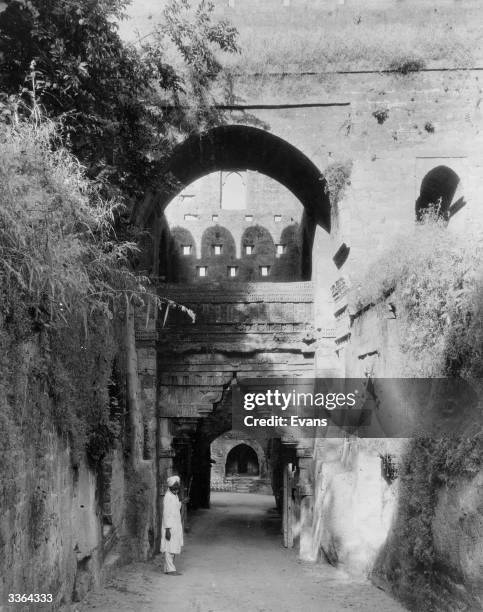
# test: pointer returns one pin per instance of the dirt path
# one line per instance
(233, 561)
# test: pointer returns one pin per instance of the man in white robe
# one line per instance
(171, 526)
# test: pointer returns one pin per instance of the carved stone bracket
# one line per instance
(304, 489)
(304, 451)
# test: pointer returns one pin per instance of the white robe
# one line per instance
(171, 520)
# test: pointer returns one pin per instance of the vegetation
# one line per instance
(417, 573)
(121, 106)
(400, 37)
(381, 115)
(436, 284)
(74, 93)
(58, 247)
(64, 277)
(337, 178)
(405, 65)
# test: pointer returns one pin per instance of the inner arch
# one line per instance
(242, 460)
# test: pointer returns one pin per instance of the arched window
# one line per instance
(437, 192)
(242, 460)
(233, 192)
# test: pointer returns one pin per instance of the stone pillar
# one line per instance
(165, 454)
(200, 497)
(305, 498)
(133, 390)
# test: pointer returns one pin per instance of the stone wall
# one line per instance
(412, 534)
(65, 521)
(391, 128)
(50, 528)
(232, 231)
(353, 503)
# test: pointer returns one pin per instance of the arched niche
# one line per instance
(262, 253)
(288, 263)
(222, 446)
(182, 255)
(233, 191)
(242, 460)
(437, 192)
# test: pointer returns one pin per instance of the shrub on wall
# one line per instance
(406, 64)
(337, 179)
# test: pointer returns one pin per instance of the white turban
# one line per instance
(172, 480)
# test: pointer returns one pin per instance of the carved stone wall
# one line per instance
(243, 330)
(220, 481)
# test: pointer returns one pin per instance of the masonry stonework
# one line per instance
(389, 160)
(391, 130)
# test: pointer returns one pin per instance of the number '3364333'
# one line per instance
(32, 597)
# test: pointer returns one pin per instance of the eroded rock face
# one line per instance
(353, 504)
(457, 529)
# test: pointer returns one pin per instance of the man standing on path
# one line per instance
(171, 527)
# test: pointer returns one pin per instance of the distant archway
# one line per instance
(242, 460)
(237, 148)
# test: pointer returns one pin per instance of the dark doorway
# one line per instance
(242, 460)
(438, 188)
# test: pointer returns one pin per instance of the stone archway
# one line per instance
(238, 147)
(227, 457)
(242, 460)
(241, 328)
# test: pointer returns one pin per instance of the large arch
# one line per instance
(238, 147)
